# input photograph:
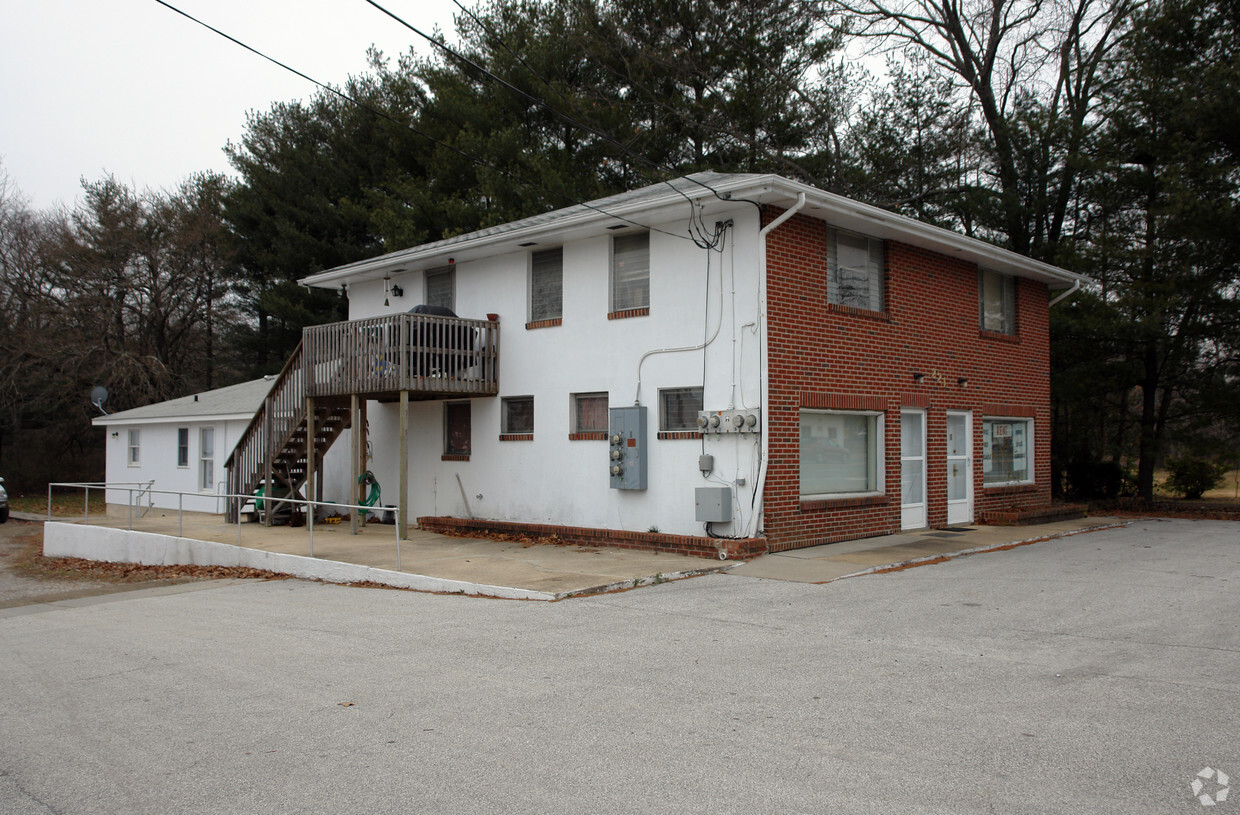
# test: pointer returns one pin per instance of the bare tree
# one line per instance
(1034, 70)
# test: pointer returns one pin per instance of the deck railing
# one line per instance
(420, 353)
(427, 355)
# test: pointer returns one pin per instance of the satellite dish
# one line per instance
(99, 395)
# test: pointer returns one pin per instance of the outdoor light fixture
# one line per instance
(962, 382)
(116, 434)
(919, 378)
(397, 291)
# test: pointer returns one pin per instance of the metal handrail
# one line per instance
(145, 487)
(88, 485)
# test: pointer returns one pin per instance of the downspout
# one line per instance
(760, 486)
(1076, 284)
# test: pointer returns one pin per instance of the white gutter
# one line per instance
(1076, 284)
(760, 486)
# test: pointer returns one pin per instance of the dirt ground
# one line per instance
(26, 577)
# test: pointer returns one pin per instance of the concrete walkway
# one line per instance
(822, 564)
(555, 572)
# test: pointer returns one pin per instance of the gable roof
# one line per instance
(232, 402)
(710, 191)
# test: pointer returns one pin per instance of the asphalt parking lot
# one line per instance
(1097, 673)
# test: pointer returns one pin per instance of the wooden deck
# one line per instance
(429, 357)
(324, 386)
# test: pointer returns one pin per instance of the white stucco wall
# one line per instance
(158, 460)
(552, 479)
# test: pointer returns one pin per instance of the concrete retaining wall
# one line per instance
(150, 549)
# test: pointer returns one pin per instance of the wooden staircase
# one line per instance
(385, 359)
(275, 446)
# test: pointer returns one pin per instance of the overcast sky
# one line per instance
(128, 87)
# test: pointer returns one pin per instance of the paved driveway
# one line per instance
(1098, 673)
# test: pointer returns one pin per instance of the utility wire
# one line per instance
(651, 165)
(406, 125)
(698, 223)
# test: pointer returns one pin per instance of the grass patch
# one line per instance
(63, 504)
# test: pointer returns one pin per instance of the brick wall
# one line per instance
(832, 357)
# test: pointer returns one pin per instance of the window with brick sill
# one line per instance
(457, 430)
(517, 418)
(546, 288)
(589, 417)
(630, 272)
(678, 410)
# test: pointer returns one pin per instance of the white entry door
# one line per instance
(912, 469)
(959, 467)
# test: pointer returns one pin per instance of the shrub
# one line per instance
(1194, 477)
(1095, 479)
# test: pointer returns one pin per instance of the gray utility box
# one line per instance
(626, 447)
(713, 503)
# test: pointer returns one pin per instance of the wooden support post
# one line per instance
(310, 450)
(270, 443)
(402, 500)
(354, 458)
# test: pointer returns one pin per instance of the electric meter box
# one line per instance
(713, 503)
(626, 447)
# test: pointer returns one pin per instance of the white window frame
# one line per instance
(638, 272)
(875, 293)
(442, 271)
(505, 426)
(206, 460)
(133, 447)
(878, 454)
(1003, 322)
(182, 449)
(543, 266)
(988, 423)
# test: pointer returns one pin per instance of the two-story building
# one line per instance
(724, 361)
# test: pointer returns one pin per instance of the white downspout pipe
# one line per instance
(1076, 284)
(755, 519)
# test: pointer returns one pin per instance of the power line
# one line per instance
(406, 125)
(547, 107)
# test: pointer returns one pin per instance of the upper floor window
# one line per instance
(996, 304)
(679, 408)
(441, 287)
(547, 285)
(854, 270)
(630, 271)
